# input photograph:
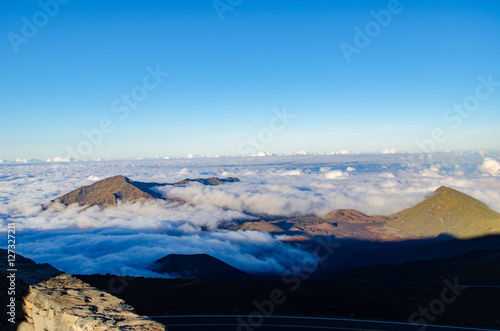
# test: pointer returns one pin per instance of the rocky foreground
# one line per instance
(43, 298)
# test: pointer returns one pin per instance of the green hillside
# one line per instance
(445, 211)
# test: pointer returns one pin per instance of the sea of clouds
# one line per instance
(125, 239)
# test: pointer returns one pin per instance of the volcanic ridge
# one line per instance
(109, 191)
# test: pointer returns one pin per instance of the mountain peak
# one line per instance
(449, 211)
(117, 179)
(107, 192)
(201, 266)
(345, 215)
(445, 189)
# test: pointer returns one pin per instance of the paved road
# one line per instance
(277, 323)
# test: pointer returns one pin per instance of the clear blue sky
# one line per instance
(225, 77)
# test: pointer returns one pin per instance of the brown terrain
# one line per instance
(260, 226)
(341, 223)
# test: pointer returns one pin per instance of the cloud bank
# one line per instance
(125, 239)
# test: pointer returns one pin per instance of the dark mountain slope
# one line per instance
(200, 266)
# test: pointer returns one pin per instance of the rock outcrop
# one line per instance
(47, 299)
(66, 303)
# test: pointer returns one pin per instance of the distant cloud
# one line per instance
(59, 159)
(336, 174)
(94, 178)
(295, 172)
(343, 152)
(389, 151)
(490, 166)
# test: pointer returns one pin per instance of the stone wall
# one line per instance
(50, 300)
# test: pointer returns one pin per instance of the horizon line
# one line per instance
(393, 152)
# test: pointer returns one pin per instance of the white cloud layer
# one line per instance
(490, 166)
(124, 239)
